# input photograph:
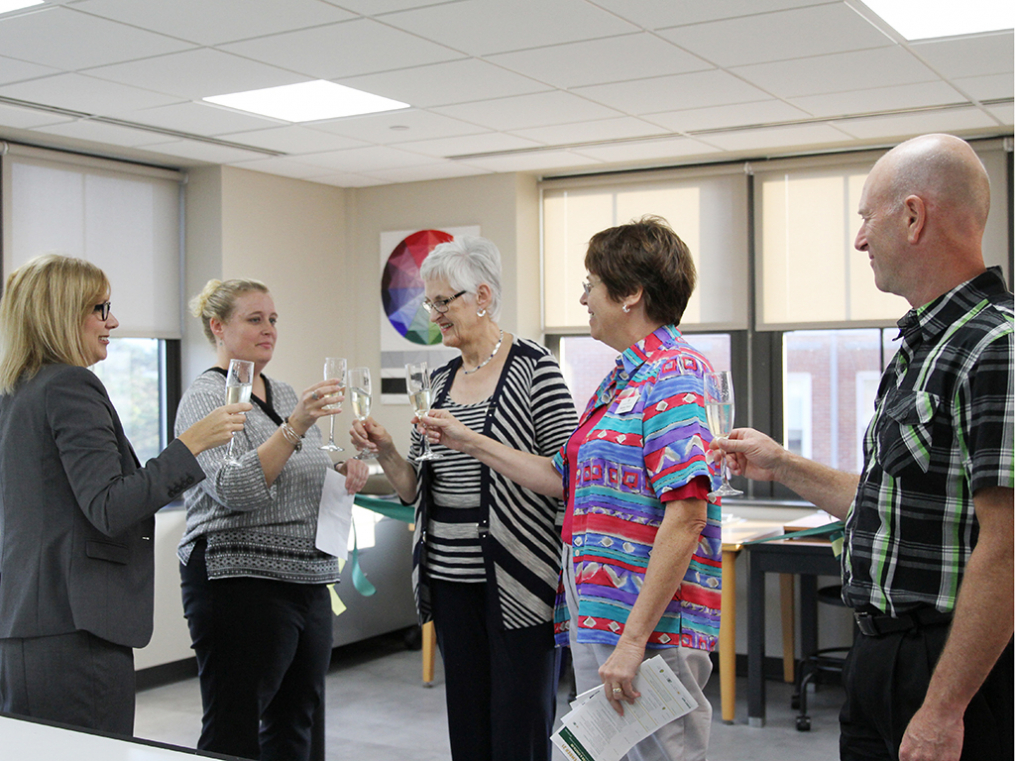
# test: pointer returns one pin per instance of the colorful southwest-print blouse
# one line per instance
(652, 440)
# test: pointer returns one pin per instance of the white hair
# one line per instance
(465, 263)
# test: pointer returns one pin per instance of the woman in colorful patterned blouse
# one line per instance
(642, 542)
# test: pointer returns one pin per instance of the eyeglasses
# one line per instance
(441, 305)
(103, 310)
(588, 286)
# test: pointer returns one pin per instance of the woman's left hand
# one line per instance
(356, 473)
(618, 674)
(312, 404)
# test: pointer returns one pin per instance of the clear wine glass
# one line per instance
(334, 369)
(417, 385)
(239, 384)
(360, 395)
(719, 408)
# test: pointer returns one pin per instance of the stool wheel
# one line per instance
(803, 723)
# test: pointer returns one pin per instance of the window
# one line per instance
(132, 375)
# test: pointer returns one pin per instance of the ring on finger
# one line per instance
(617, 690)
(315, 395)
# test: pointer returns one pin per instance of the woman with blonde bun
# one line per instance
(76, 506)
(254, 583)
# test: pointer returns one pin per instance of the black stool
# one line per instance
(827, 660)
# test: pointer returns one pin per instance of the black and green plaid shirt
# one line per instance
(942, 430)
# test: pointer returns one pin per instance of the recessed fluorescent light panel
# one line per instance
(944, 18)
(6, 6)
(307, 102)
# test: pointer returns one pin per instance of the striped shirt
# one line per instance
(454, 552)
(942, 429)
(253, 529)
(519, 530)
(651, 441)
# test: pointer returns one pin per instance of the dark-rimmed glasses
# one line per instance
(103, 310)
(441, 305)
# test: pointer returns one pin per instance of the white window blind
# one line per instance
(708, 212)
(122, 217)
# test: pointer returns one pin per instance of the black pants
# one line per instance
(500, 683)
(263, 648)
(886, 679)
(76, 678)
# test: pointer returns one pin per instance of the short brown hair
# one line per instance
(646, 254)
(44, 307)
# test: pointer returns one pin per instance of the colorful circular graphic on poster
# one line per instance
(402, 287)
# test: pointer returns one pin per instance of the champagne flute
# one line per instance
(720, 409)
(417, 384)
(239, 385)
(359, 393)
(334, 369)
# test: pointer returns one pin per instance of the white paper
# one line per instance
(593, 731)
(334, 517)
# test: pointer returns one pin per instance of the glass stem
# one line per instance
(331, 435)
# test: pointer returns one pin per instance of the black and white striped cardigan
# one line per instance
(531, 409)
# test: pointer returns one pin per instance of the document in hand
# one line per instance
(593, 731)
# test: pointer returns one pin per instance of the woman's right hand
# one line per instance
(370, 435)
(441, 427)
(216, 428)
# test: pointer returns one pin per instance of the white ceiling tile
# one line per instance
(85, 94)
(484, 27)
(918, 95)
(293, 140)
(349, 180)
(539, 110)
(657, 151)
(1005, 114)
(397, 127)
(838, 72)
(27, 118)
(970, 56)
(987, 87)
(795, 33)
(588, 131)
(717, 117)
(761, 142)
(468, 144)
(12, 70)
(543, 161)
(196, 74)
(442, 84)
(76, 40)
(681, 91)
(369, 159)
(97, 132)
(612, 59)
(379, 7)
(443, 170)
(212, 23)
(905, 126)
(284, 167)
(361, 46)
(658, 14)
(200, 119)
(194, 150)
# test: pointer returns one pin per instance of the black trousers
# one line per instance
(500, 683)
(886, 680)
(76, 678)
(263, 648)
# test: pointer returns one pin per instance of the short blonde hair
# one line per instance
(218, 299)
(43, 309)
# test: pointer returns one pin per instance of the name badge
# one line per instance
(627, 401)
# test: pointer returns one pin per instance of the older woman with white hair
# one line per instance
(487, 550)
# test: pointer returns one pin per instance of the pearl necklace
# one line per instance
(486, 361)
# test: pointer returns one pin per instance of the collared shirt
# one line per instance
(942, 430)
(651, 441)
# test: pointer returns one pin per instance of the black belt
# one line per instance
(876, 625)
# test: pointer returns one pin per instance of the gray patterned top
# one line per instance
(251, 529)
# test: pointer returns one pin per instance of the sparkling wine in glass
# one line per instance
(360, 395)
(239, 384)
(417, 385)
(334, 369)
(719, 408)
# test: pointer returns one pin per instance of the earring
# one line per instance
(627, 309)
(481, 313)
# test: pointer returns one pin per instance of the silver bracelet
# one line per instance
(290, 435)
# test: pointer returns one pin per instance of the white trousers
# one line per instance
(683, 739)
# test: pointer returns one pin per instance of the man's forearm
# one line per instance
(830, 489)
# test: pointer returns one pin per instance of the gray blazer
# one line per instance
(76, 511)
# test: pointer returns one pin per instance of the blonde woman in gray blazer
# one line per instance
(76, 506)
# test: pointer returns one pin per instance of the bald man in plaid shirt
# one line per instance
(927, 561)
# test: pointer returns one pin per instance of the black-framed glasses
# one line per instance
(441, 305)
(103, 310)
